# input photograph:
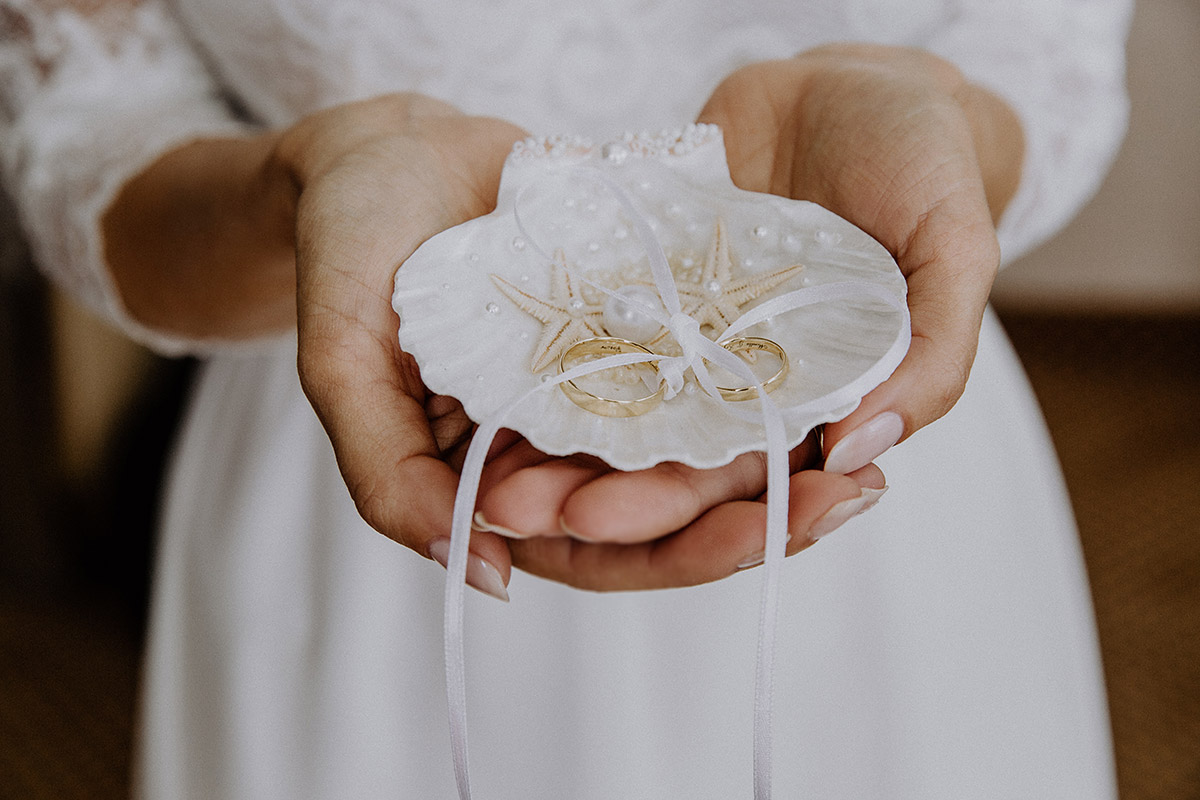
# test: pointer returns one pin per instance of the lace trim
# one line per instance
(89, 101)
(1064, 77)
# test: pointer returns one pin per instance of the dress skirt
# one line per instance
(939, 647)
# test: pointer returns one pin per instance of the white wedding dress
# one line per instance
(940, 647)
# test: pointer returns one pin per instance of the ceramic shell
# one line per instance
(473, 343)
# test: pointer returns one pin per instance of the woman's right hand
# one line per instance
(374, 180)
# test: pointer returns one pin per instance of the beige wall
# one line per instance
(1136, 247)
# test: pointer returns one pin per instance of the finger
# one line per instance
(523, 491)
(870, 477)
(590, 501)
(626, 507)
(366, 392)
(451, 427)
(707, 550)
(950, 264)
(390, 459)
(724, 540)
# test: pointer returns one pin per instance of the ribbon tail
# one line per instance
(460, 545)
(778, 478)
(456, 575)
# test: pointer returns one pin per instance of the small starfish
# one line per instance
(716, 299)
(566, 316)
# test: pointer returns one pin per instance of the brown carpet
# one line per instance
(1122, 398)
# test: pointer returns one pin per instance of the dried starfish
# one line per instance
(566, 316)
(716, 299)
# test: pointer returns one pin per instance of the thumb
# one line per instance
(950, 265)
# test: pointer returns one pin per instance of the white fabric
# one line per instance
(939, 647)
(86, 104)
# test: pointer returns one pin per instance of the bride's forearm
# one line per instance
(200, 243)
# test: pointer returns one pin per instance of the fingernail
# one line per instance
(480, 574)
(865, 443)
(873, 496)
(837, 516)
(572, 533)
(754, 559)
(479, 523)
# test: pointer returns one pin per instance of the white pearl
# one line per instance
(614, 153)
(629, 320)
(828, 238)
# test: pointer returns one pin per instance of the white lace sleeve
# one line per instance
(1061, 66)
(85, 103)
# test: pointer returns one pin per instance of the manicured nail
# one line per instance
(480, 574)
(873, 496)
(837, 516)
(865, 443)
(479, 523)
(754, 559)
(572, 533)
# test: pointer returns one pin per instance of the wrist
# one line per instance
(199, 243)
(999, 144)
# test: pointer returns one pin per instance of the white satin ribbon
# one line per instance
(696, 349)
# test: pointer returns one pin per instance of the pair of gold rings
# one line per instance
(612, 346)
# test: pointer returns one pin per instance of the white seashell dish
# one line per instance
(486, 307)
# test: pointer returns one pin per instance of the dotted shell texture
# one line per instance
(473, 342)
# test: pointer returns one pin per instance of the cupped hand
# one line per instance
(373, 181)
(897, 142)
(578, 521)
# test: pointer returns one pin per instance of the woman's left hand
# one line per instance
(899, 143)
(896, 141)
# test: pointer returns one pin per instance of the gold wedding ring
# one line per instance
(607, 406)
(752, 345)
